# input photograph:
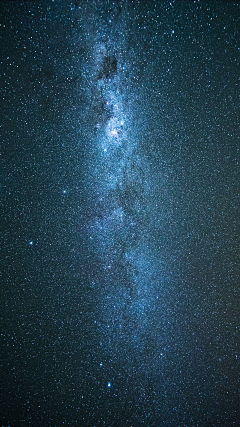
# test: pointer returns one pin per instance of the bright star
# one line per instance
(114, 132)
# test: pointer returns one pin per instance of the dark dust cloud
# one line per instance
(120, 200)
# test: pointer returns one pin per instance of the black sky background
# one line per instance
(182, 89)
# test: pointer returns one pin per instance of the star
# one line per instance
(114, 132)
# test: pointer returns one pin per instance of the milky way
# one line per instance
(123, 196)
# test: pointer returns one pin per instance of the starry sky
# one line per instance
(120, 193)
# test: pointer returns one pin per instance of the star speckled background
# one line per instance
(120, 200)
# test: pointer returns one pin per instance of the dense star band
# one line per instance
(123, 197)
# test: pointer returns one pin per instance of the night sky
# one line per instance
(120, 198)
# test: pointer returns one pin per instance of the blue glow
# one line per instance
(109, 384)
